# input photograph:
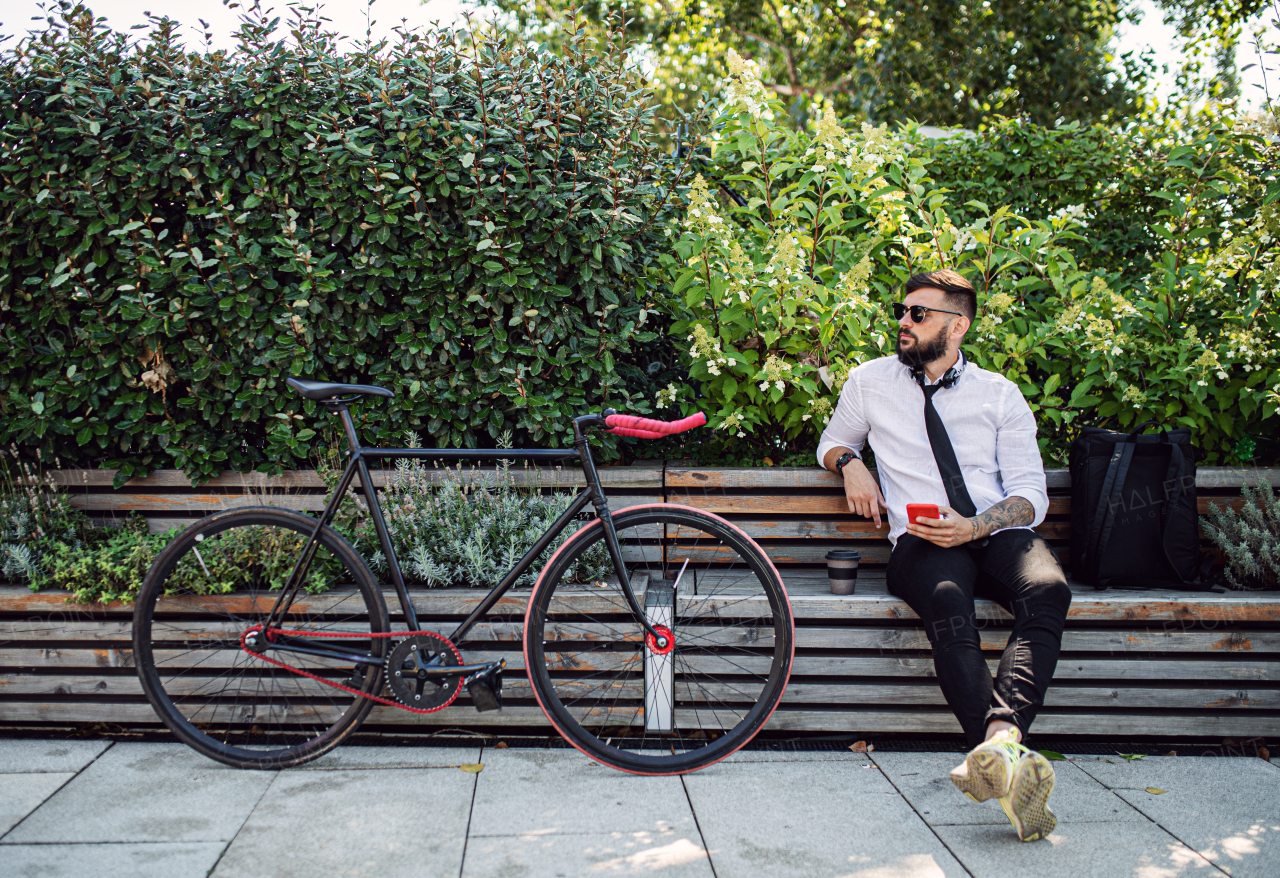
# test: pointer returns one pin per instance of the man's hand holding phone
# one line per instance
(862, 492)
(940, 525)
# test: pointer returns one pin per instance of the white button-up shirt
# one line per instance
(990, 425)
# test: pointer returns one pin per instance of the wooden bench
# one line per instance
(1134, 663)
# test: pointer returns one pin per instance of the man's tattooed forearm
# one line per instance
(1011, 512)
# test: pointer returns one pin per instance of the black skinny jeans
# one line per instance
(1017, 570)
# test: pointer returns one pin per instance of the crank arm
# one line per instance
(335, 654)
(452, 670)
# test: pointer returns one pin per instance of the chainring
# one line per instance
(406, 680)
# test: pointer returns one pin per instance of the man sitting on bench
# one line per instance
(948, 433)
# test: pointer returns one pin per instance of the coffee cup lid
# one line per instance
(843, 555)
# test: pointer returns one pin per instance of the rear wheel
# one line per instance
(212, 585)
(629, 704)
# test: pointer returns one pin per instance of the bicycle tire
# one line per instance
(588, 662)
(215, 580)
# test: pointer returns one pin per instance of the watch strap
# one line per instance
(843, 460)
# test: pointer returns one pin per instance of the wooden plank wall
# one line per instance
(1133, 663)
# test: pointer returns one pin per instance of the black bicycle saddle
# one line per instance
(325, 390)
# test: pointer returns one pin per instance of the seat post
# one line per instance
(348, 425)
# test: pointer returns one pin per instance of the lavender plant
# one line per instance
(34, 517)
(1250, 539)
(453, 527)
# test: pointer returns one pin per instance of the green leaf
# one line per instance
(683, 281)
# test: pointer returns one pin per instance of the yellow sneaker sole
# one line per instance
(988, 777)
(1027, 805)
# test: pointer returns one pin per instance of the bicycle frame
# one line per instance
(357, 464)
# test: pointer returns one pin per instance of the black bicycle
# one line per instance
(263, 640)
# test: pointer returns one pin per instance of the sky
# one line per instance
(349, 17)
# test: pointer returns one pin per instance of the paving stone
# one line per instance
(393, 757)
(923, 779)
(545, 791)
(558, 855)
(20, 794)
(380, 824)
(25, 755)
(147, 792)
(1076, 850)
(809, 819)
(1226, 808)
(158, 860)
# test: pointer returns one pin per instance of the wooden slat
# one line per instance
(872, 553)
(1171, 610)
(648, 475)
(829, 529)
(169, 503)
(814, 477)
(516, 688)
(763, 505)
(881, 639)
(1114, 669)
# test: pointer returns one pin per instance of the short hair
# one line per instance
(959, 292)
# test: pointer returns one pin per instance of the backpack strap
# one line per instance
(1104, 516)
(1176, 475)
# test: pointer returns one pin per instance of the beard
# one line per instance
(922, 352)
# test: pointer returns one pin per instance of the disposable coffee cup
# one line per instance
(842, 570)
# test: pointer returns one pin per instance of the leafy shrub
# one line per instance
(450, 528)
(470, 222)
(1250, 539)
(778, 297)
(1111, 171)
(109, 568)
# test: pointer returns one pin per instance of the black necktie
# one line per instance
(945, 456)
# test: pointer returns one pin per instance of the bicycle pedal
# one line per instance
(485, 690)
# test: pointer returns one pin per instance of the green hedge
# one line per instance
(471, 223)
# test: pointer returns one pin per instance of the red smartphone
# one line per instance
(916, 511)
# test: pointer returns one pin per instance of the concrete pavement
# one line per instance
(101, 809)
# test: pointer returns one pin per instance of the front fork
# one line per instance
(658, 638)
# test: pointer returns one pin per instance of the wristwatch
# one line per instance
(842, 460)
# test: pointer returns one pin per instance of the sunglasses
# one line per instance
(917, 312)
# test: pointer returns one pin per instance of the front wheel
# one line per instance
(625, 702)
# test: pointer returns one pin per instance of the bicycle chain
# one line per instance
(344, 635)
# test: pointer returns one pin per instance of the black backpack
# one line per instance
(1134, 522)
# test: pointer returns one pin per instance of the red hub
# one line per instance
(652, 642)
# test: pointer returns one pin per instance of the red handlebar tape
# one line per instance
(647, 428)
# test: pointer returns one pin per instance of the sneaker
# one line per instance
(1027, 804)
(987, 771)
